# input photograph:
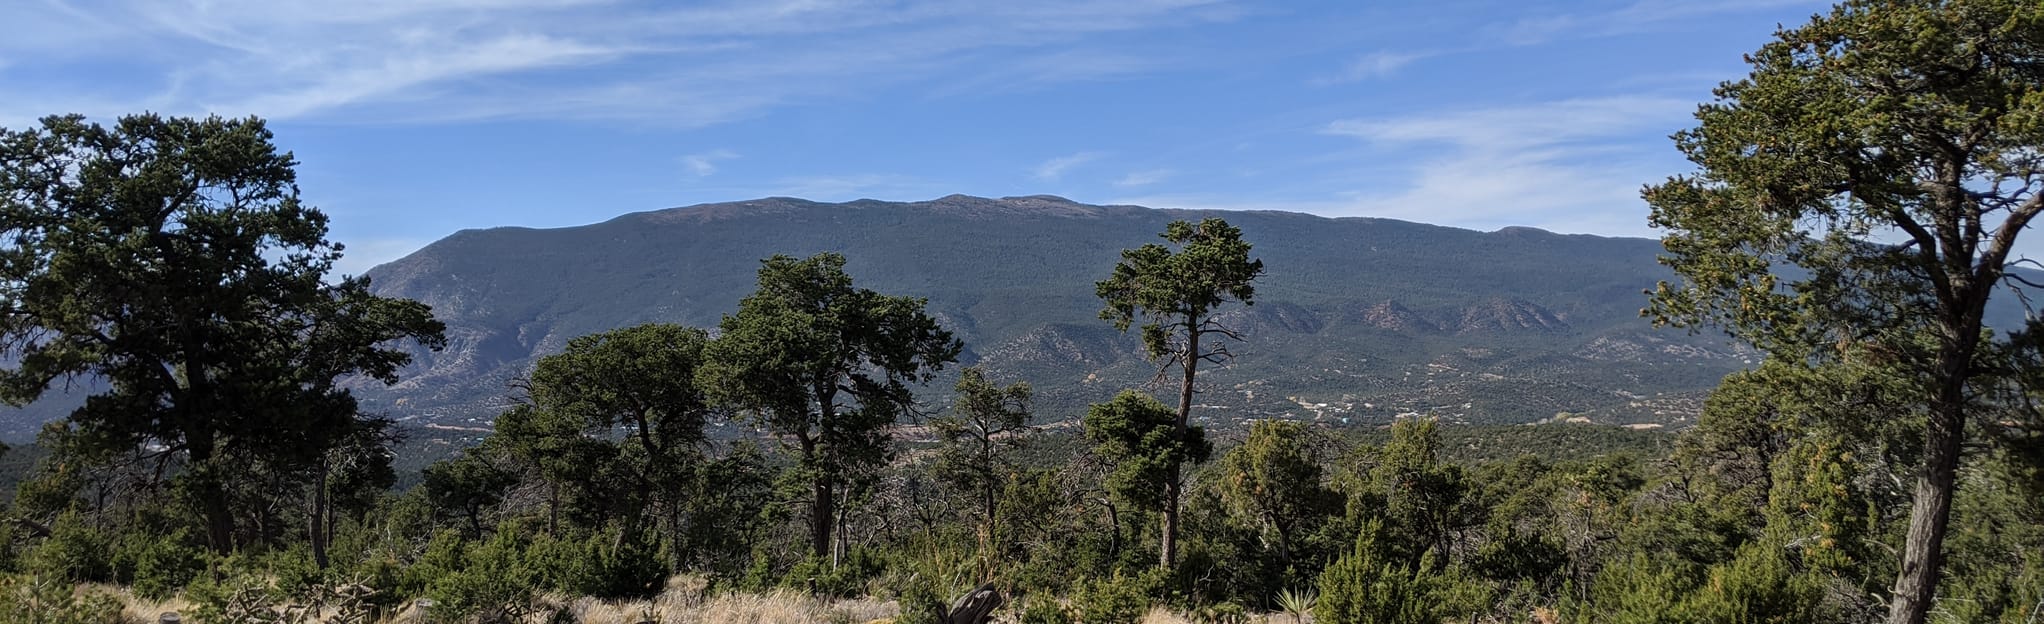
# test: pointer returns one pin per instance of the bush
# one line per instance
(920, 603)
(52, 601)
(492, 582)
(615, 567)
(1118, 599)
(158, 566)
(1222, 613)
(1363, 587)
(1633, 590)
(1757, 585)
(815, 574)
(73, 552)
(1045, 609)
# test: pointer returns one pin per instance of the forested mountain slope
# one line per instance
(1356, 317)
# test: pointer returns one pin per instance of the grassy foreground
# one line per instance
(684, 601)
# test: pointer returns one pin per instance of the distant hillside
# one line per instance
(1357, 318)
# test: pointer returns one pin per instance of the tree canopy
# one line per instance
(1174, 294)
(172, 258)
(1914, 121)
(815, 359)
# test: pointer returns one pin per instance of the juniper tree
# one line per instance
(1892, 151)
(828, 365)
(172, 258)
(1173, 294)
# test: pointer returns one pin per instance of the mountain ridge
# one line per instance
(1013, 276)
(1360, 319)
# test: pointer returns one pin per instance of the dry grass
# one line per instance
(684, 601)
(686, 605)
(136, 608)
(1161, 615)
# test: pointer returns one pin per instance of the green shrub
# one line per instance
(1758, 585)
(1221, 613)
(491, 583)
(1044, 609)
(1363, 587)
(52, 601)
(293, 569)
(920, 603)
(815, 574)
(157, 566)
(443, 557)
(1634, 590)
(73, 552)
(614, 567)
(1118, 599)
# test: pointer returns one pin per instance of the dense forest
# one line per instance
(1885, 462)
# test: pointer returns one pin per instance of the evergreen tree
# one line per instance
(1916, 117)
(1175, 294)
(172, 258)
(827, 365)
(977, 441)
(1274, 480)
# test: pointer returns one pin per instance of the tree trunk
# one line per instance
(840, 541)
(219, 518)
(1114, 522)
(673, 539)
(991, 545)
(553, 508)
(316, 533)
(822, 510)
(1167, 551)
(1930, 512)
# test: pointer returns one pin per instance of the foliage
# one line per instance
(1916, 118)
(1044, 609)
(1366, 587)
(849, 577)
(920, 604)
(1174, 294)
(157, 566)
(1138, 435)
(807, 343)
(1118, 598)
(35, 600)
(1297, 602)
(73, 552)
(172, 258)
(1273, 481)
(975, 444)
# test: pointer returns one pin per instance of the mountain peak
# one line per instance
(1042, 205)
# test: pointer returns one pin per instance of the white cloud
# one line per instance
(1632, 18)
(691, 64)
(703, 164)
(1056, 167)
(1572, 165)
(1144, 178)
(1374, 65)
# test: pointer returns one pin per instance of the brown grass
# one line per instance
(684, 601)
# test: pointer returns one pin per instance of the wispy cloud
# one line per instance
(1572, 165)
(1144, 178)
(428, 60)
(1374, 65)
(703, 164)
(1632, 18)
(1056, 167)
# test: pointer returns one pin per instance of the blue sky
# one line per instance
(416, 118)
